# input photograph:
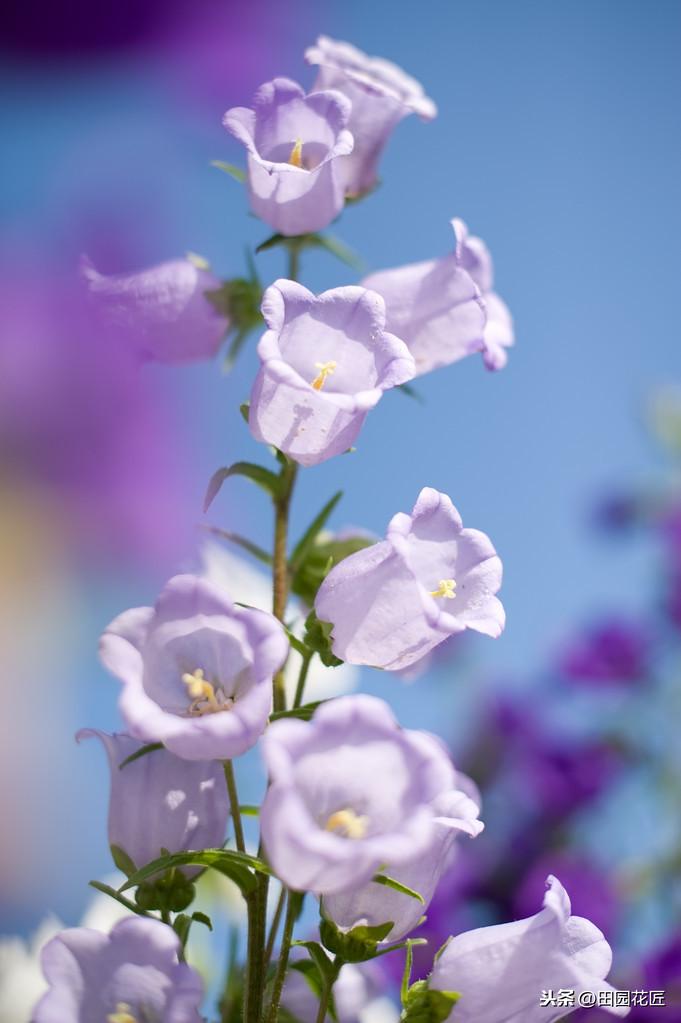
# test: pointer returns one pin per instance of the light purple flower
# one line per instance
(474, 256)
(456, 809)
(444, 308)
(357, 986)
(326, 361)
(430, 578)
(294, 143)
(381, 94)
(196, 670)
(160, 801)
(501, 971)
(350, 791)
(131, 974)
(162, 313)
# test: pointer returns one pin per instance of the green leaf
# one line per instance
(237, 866)
(341, 251)
(112, 893)
(397, 886)
(320, 959)
(304, 713)
(122, 860)
(245, 409)
(422, 1005)
(272, 242)
(264, 478)
(411, 392)
(248, 810)
(310, 535)
(296, 643)
(234, 172)
(141, 752)
(241, 541)
(318, 638)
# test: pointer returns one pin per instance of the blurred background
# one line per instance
(557, 141)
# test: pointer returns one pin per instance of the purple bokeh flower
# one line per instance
(500, 971)
(294, 143)
(592, 892)
(196, 670)
(160, 801)
(350, 791)
(430, 578)
(162, 312)
(474, 256)
(132, 973)
(326, 361)
(456, 808)
(381, 94)
(612, 651)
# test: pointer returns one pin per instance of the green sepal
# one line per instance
(411, 392)
(397, 886)
(320, 557)
(425, 1006)
(122, 860)
(171, 893)
(105, 889)
(234, 172)
(245, 410)
(237, 866)
(262, 477)
(151, 747)
(328, 242)
(183, 922)
(304, 713)
(356, 945)
(318, 638)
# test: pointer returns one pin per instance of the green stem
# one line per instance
(234, 804)
(280, 573)
(327, 988)
(293, 260)
(255, 962)
(302, 679)
(282, 965)
(274, 926)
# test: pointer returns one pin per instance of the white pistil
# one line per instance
(447, 588)
(325, 370)
(347, 823)
(205, 699)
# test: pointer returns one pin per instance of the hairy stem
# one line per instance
(234, 805)
(302, 679)
(280, 574)
(274, 926)
(287, 937)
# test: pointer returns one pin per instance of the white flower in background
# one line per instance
(250, 585)
(21, 977)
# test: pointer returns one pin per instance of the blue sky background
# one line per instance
(558, 142)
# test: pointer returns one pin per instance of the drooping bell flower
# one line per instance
(196, 670)
(326, 361)
(131, 975)
(430, 578)
(349, 792)
(159, 801)
(381, 94)
(500, 972)
(456, 809)
(162, 313)
(444, 309)
(294, 144)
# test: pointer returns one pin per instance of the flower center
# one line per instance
(447, 588)
(205, 700)
(347, 823)
(123, 1014)
(325, 370)
(296, 157)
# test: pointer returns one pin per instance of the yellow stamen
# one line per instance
(296, 157)
(204, 697)
(348, 824)
(325, 370)
(200, 262)
(121, 1015)
(447, 588)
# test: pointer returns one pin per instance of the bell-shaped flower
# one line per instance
(391, 603)
(456, 809)
(294, 144)
(474, 256)
(356, 996)
(381, 94)
(131, 975)
(326, 361)
(500, 972)
(162, 313)
(159, 801)
(349, 792)
(444, 308)
(196, 670)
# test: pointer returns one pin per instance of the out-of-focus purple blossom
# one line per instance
(294, 143)
(196, 670)
(456, 810)
(162, 312)
(617, 513)
(430, 578)
(381, 94)
(500, 972)
(350, 790)
(132, 973)
(160, 801)
(591, 890)
(436, 307)
(326, 361)
(103, 453)
(610, 652)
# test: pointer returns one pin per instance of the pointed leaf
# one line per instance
(304, 713)
(234, 172)
(341, 251)
(241, 541)
(141, 752)
(122, 860)
(112, 893)
(264, 478)
(310, 535)
(237, 866)
(397, 886)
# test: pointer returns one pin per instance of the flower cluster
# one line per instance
(360, 814)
